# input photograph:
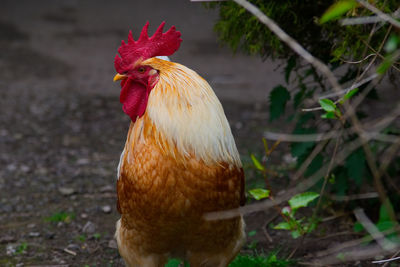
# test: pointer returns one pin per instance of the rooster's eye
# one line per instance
(141, 70)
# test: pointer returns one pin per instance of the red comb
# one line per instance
(160, 44)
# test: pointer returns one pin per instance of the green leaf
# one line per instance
(282, 226)
(392, 43)
(314, 166)
(355, 165)
(278, 99)
(295, 234)
(349, 94)
(291, 63)
(302, 200)
(299, 149)
(384, 213)
(386, 64)
(358, 227)
(337, 10)
(252, 233)
(256, 163)
(327, 105)
(173, 263)
(259, 193)
(329, 115)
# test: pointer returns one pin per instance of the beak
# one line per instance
(118, 77)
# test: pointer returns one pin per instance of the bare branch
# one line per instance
(359, 61)
(342, 92)
(387, 260)
(380, 14)
(360, 20)
(385, 243)
(293, 44)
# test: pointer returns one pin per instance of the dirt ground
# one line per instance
(62, 128)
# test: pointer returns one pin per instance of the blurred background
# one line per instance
(62, 128)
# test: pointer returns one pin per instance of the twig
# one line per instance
(358, 61)
(265, 225)
(328, 135)
(355, 85)
(354, 197)
(380, 14)
(397, 253)
(73, 253)
(352, 255)
(342, 92)
(360, 20)
(295, 46)
(388, 260)
(385, 243)
(336, 234)
(352, 243)
(322, 191)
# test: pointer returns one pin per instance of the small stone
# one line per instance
(238, 125)
(25, 168)
(288, 159)
(49, 235)
(34, 234)
(83, 161)
(11, 167)
(106, 209)
(89, 228)
(7, 239)
(112, 244)
(73, 247)
(84, 215)
(10, 249)
(7, 208)
(66, 191)
(31, 225)
(106, 188)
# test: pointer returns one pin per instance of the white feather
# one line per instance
(185, 109)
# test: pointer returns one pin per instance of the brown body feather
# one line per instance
(162, 200)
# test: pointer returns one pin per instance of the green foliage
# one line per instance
(337, 10)
(348, 95)
(259, 193)
(176, 263)
(271, 260)
(278, 99)
(240, 30)
(385, 224)
(302, 200)
(96, 235)
(81, 238)
(332, 111)
(61, 216)
(392, 43)
(256, 163)
(298, 227)
(355, 166)
(21, 248)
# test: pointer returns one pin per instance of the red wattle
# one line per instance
(134, 97)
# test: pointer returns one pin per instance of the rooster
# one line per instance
(179, 162)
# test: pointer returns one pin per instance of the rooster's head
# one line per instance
(137, 78)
